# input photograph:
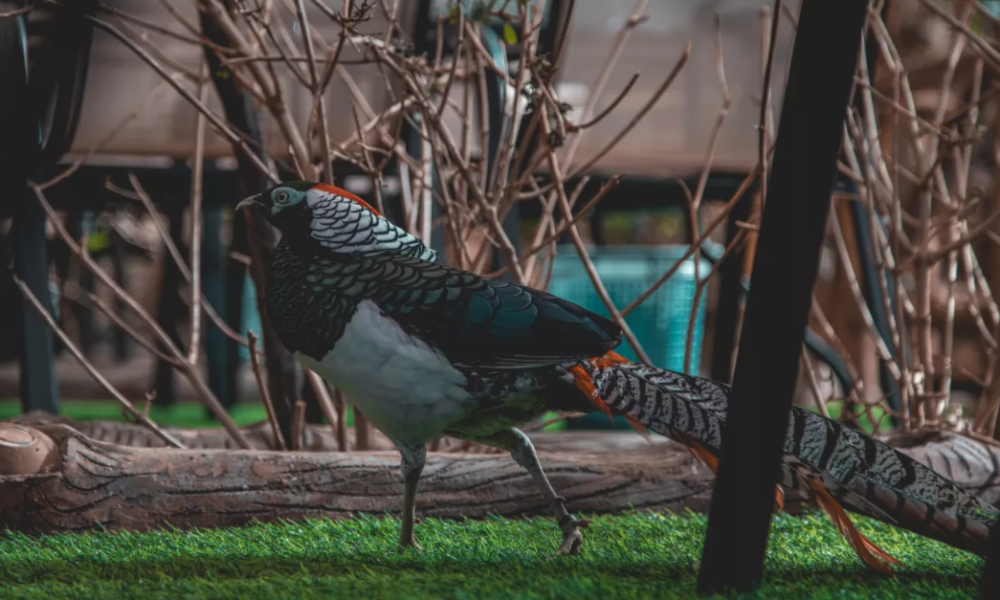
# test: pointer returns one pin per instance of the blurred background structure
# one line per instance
(892, 329)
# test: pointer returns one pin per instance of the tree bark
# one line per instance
(125, 479)
(103, 486)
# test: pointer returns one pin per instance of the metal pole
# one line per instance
(797, 203)
(20, 139)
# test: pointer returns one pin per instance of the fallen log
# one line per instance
(99, 485)
(971, 464)
(91, 484)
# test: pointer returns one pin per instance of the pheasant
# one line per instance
(424, 349)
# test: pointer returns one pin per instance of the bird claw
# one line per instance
(572, 537)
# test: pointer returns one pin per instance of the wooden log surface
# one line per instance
(96, 484)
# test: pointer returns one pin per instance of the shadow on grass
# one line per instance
(254, 568)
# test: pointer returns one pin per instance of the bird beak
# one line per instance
(251, 202)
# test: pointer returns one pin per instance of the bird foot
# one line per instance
(572, 536)
(407, 543)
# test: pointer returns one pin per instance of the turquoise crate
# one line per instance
(249, 317)
(660, 323)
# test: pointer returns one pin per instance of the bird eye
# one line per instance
(281, 197)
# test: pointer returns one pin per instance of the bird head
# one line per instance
(335, 218)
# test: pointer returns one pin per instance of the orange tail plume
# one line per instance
(585, 384)
(610, 358)
(874, 557)
(698, 450)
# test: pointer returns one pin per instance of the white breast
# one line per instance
(409, 390)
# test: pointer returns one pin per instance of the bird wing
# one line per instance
(479, 322)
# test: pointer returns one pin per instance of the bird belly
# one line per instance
(406, 388)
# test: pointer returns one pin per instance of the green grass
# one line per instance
(631, 556)
(835, 407)
(184, 414)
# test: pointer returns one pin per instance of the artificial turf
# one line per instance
(639, 555)
(181, 414)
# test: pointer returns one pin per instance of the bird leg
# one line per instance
(523, 453)
(414, 457)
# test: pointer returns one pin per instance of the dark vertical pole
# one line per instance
(809, 136)
(84, 315)
(213, 264)
(284, 374)
(874, 298)
(169, 308)
(20, 140)
(119, 257)
(869, 275)
(236, 273)
(38, 377)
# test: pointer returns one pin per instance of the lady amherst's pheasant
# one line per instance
(425, 349)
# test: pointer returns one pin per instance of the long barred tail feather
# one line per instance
(870, 554)
(853, 470)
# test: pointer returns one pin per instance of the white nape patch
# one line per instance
(343, 225)
(407, 389)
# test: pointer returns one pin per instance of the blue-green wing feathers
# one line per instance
(490, 323)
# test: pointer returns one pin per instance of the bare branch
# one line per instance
(78, 355)
(265, 396)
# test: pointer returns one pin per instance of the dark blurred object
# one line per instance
(44, 54)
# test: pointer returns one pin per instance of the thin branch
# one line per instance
(217, 122)
(634, 19)
(114, 131)
(298, 422)
(265, 396)
(611, 107)
(189, 371)
(696, 246)
(814, 383)
(197, 187)
(115, 318)
(182, 266)
(17, 12)
(326, 404)
(319, 106)
(100, 379)
(602, 292)
(638, 116)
